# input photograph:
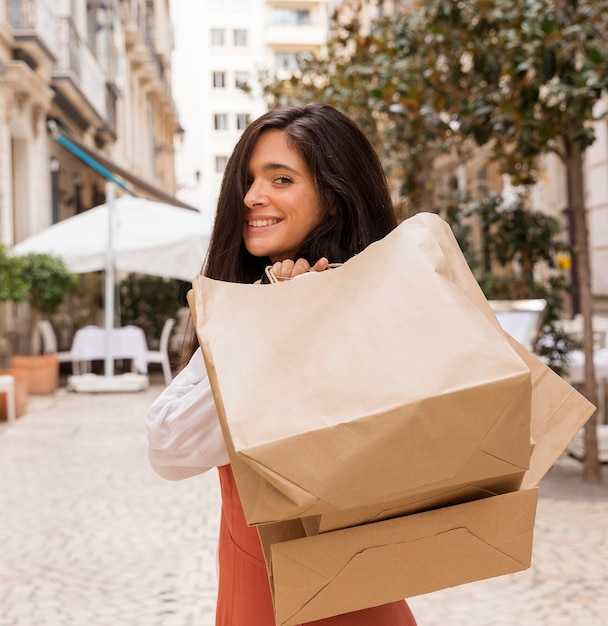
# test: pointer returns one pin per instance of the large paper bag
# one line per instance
(366, 384)
(314, 577)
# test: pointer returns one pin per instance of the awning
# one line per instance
(113, 172)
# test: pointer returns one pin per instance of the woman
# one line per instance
(302, 188)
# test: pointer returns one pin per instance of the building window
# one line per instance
(217, 37)
(242, 120)
(220, 121)
(241, 80)
(220, 164)
(219, 80)
(286, 61)
(290, 17)
(240, 37)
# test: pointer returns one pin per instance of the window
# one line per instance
(219, 80)
(240, 37)
(217, 36)
(241, 80)
(220, 121)
(286, 61)
(291, 17)
(242, 120)
(220, 164)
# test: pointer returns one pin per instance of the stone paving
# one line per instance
(90, 536)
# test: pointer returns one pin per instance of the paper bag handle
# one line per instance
(269, 277)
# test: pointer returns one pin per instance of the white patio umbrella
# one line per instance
(127, 234)
(147, 237)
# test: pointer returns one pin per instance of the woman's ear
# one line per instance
(334, 210)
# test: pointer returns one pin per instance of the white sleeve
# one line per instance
(184, 434)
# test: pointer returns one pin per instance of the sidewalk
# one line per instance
(90, 536)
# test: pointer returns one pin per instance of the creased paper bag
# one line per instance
(375, 382)
(314, 577)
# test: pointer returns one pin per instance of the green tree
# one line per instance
(524, 77)
(517, 242)
(351, 74)
(41, 280)
(147, 301)
(521, 77)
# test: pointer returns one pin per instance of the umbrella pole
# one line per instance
(92, 383)
(109, 281)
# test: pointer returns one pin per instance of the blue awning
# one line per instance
(90, 161)
(124, 179)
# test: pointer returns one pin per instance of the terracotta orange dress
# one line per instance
(244, 594)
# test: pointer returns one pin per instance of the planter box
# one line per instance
(21, 391)
(42, 370)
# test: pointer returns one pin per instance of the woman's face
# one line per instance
(282, 199)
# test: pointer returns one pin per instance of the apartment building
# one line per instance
(223, 47)
(85, 96)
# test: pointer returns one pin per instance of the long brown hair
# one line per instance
(350, 181)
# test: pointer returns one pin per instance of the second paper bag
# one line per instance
(362, 385)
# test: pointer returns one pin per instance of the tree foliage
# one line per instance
(520, 77)
(41, 280)
(522, 247)
(523, 75)
(147, 301)
(13, 286)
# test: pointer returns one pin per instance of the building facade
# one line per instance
(85, 89)
(226, 47)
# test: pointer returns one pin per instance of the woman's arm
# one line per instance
(184, 433)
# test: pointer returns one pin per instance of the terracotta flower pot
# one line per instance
(42, 369)
(21, 390)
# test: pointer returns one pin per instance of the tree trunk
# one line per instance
(576, 199)
(426, 190)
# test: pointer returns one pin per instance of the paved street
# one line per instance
(90, 536)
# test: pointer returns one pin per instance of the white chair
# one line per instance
(49, 345)
(162, 354)
(7, 386)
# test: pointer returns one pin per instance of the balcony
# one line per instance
(78, 78)
(34, 32)
(296, 35)
(142, 50)
(138, 40)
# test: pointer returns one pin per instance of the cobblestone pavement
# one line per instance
(90, 536)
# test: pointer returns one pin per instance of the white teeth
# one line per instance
(262, 222)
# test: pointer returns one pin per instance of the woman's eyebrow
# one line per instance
(278, 166)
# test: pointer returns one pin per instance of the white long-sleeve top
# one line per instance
(184, 434)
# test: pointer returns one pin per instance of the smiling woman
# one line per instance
(327, 150)
(302, 188)
(282, 199)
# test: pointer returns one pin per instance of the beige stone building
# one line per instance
(85, 94)
(85, 98)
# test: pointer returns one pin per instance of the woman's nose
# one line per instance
(255, 196)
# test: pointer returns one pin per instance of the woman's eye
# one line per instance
(283, 180)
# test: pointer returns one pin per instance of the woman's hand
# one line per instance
(284, 270)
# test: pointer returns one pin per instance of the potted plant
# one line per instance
(11, 288)
(42, 281)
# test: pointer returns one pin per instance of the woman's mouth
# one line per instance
(260, 223)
